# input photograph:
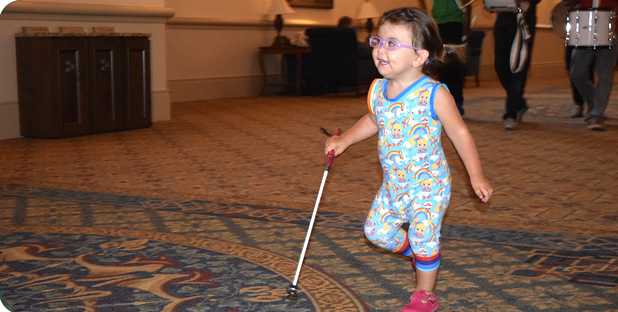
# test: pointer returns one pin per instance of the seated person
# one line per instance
(345, 21)
(364, 50)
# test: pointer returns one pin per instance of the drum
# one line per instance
(559, 18)
(500, 6)
(590, 28)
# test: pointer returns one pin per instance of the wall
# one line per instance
(212, 46)
(547, 58)
(209, 48)
(141, 16)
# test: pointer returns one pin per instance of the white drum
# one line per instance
(590, 28)
(500, 6)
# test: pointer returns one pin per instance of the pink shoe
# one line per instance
(421, 302)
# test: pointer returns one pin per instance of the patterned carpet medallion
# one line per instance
(130, 253)
(60, 269)
(214, 214)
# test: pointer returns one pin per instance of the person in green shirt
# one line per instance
(449, 15)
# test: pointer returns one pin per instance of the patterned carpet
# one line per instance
(208, 212)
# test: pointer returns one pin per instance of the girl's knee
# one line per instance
(380, 237)
(369, 231)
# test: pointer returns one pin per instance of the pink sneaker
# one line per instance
(421, 302)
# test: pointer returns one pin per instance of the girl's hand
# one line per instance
(335, 143)
(481, 187)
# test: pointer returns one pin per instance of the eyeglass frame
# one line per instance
(382, 44)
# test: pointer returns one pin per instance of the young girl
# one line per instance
(408, 110)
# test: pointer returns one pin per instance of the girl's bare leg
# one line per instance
(426, 280)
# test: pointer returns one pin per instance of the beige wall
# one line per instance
(203, 64)
(209, 48)
(213, 45)
(255, 9)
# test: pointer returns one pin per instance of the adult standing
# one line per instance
(449, 15)
(505, 31)
(604, 59)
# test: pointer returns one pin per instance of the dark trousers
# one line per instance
(514, 84)
(452, 73)
(577, 97)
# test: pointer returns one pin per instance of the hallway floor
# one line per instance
(208, 212)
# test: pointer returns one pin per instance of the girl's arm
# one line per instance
(365, 128)
(456, 129)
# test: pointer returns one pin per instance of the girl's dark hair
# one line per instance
(425, 35)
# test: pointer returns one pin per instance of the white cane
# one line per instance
(293, 289)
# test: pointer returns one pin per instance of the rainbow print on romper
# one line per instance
(405, 249)
(428, 83)
(431, 139)
(407, 120)
(400, 197)
(433, 237)
(419, 173)
(388, 214)
(420, 127)
(422, 212)
(435, 150)
(392, 154)
(409, 167)
(394, 107)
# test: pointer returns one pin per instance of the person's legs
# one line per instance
(423, 297)
(580, 62)
(517, 103)
(513, 83)
(424, 233)
(503, 38)
(577, 97)
(384, 230)
(426, 280)
(605, 61)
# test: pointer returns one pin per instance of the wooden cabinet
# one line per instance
(77, 85)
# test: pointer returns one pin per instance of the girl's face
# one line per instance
(402, 63)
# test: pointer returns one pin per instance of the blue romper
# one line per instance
(416, 188)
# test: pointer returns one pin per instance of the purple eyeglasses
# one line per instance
(389, 45)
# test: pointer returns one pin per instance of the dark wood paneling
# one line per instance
(70, 86)
(105, 95)
(138, 78)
